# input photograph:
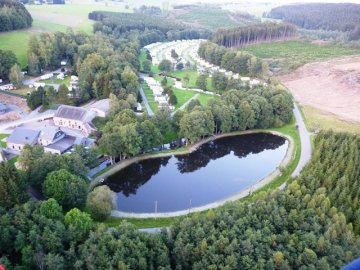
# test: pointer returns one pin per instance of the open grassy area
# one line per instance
(193, 75)
(317, 119)
(16, 41)
(54, 80)
(3, 136)
(289, 55)
(210, 18)
(182, 96)
(150, 98)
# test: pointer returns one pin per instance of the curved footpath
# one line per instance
(304, 158)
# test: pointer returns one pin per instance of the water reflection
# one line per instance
(221, 168)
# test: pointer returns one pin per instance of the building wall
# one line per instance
(73, 124)
(15, 146)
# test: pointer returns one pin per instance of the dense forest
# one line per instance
(233, 60)
(301, 227)
(326, 16)
(158, 28)
(265, 32)
(13, 16)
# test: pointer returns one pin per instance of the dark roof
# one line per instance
(73, 113)
(62, 145)
(23, 136)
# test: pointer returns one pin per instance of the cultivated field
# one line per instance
(328, 90)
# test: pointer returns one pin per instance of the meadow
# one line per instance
(286, 56)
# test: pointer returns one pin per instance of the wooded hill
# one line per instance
(13, 16)
(342, 17)
(264, 32)
(115, 23)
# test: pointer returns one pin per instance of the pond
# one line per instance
(215, 171)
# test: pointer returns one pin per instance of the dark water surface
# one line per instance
(215, 171)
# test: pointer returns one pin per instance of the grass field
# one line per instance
(150, 98)
(16, 41)
(210, 18)
(3, 136)
(182, 96)
(289, 55)
(192, 74)
(54, 80)
(317, 119)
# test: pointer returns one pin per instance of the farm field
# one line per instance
(16, 41)
(285, 56)
(331, 87)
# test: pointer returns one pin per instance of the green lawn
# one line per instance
(17, 42)
(182, 96)
(192, 74)
(210, 18)
(47, 26)
(54, 80)
(2, 136)
(289, 55)
(150, 98)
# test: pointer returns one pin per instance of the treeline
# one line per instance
(160, 28)
(233, 60)
(297, 228)
(13, 16)
(7, 61)
(127, 135)
(336, 169)
(326, 16)
(264, 32)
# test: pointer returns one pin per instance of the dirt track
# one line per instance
(332, 86)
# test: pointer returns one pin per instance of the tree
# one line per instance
(51, 209)
(180, 66)
(67, 189)
(147, 65)
(100, 202)
(79, 224)
(165, 65)
(174, 54)
(63, 95)
(201, 82)
(164, 81)
(33, 64)
(129, 78)
(12, 186)
(29, 154)
(15, 76)
(7, 60)
(219, 81)
(173, 99)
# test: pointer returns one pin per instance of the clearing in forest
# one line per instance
(331, 86)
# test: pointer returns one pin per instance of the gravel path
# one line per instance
(149, 110)
(185, 104)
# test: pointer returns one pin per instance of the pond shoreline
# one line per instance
(243, 193)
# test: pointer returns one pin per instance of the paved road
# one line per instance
(305, 141)
(149, 110)
(33, 116)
